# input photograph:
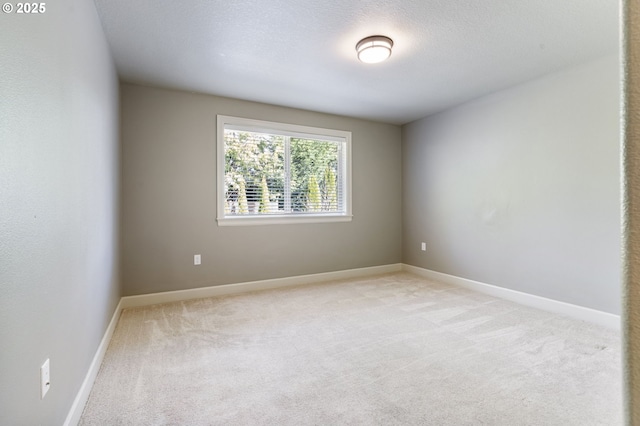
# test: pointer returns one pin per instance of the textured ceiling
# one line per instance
(301, 53)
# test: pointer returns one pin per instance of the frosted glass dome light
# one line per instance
(374, 49)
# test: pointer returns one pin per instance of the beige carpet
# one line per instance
(389, 350)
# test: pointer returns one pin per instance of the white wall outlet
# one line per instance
(197, 260)
(45, 379)
(424, 246)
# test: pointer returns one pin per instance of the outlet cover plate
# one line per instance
(45, 379)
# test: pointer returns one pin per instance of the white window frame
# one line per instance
(286, 130)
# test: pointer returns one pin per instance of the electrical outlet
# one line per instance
(424, 246)
(45, 379)
(197, 260)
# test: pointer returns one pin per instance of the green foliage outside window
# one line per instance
(256, 179)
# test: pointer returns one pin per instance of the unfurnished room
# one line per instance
(320, 213)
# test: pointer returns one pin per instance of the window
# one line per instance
(282, 173)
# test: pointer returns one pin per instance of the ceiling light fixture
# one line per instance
(374, 49)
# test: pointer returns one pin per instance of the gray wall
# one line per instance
(169, 198)
(58, 205)
(520, 189)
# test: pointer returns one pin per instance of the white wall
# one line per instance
(520, 189)
(58, 205)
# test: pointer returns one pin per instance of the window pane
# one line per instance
(254, 173)
(314, 170)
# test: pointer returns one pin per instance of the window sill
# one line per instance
(282, 219)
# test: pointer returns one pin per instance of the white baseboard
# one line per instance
(83, 394)
(567, 309)
(219, 290)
